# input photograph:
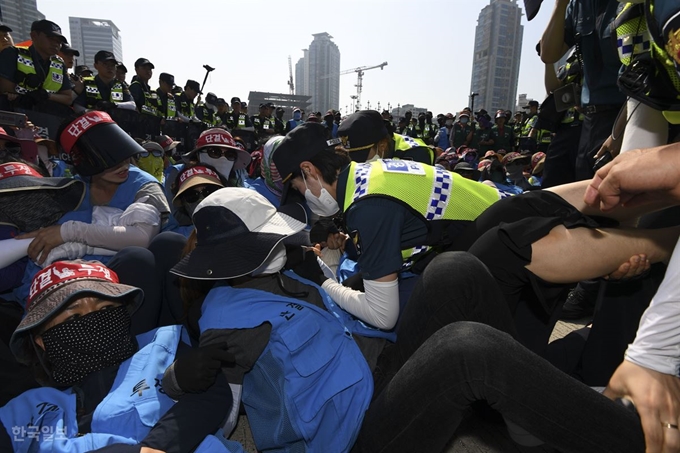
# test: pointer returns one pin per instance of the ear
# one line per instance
(307, 168)
(39, 341)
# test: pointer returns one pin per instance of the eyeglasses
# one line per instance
(216, 152)
(146, 153)
(194, 195)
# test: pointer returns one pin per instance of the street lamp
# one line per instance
(398, 112)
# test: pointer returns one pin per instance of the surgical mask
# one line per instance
(221, 164)
(324, 205)
(297, 116)
(87, 344)
(463, 120)
(152, 165)
(274, 263)
(449, 122)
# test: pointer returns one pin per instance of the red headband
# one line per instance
(62, 272)
(77, 128)
(17, 169)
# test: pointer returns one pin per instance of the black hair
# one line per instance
(330, 162)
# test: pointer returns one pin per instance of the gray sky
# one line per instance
(427, 43)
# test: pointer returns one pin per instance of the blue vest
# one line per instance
(44, 419)
(124, 197)
(311, 386)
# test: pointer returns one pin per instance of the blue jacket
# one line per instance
(44, 419)
(311, 386)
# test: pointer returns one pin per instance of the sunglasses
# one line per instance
(194, 195)
(216, 152)
(146, 153)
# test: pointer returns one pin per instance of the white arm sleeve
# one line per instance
(230, 424)
(137, 226)
(378, 306)
(657, 343)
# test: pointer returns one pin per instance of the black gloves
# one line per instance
(309, 268)
(37, 96)
(105, 105)
(196, 369)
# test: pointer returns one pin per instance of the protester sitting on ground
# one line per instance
(465, 170)
(193, 184)
(217, 147)
(101, 383)
(365, 137)
(269, 182)
(493, 173)
(151, 160)
(537, 164)
(515, 164)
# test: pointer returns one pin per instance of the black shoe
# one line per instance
(579, 304)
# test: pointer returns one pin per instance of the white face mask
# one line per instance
(222, 165)
(449, 122)
(324, 205)
(275, 262)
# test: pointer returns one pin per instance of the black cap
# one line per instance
(5, 28)
(235, 99)
(211, 98)
(269, 105)
(194, 85)
(167, 78)
(81, 68)
(531, 104)
(362, 130)
(49, 28)
(481, 112)
(221, 101)
(142, 62)
(122, 67)
(301, 144)
(104, 55)
(262, 105)
(65, 48)
(280, 109)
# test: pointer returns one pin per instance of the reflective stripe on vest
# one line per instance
(632, 36)
(151, 103)
(93, 94)
(433, 192)
(53, 80)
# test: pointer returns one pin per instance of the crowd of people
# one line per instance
(351, 283)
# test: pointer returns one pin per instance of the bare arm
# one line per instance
(552, 41)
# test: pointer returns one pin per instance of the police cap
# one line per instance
(65, 48)
(193, 85)
(104, 55)
(362, 130)
(167, 78)
(5, 28)
(143, 62)
(81, 69)
(235, 99)
(49, 28)
(301, 144)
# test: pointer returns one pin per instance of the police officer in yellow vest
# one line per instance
(146, 99)
(207, 111)
(103, 91)
(365, 137)
(35, 74)
(186, 111)
(166, 100)
(263, 122)
(394, 211)
(238, 119)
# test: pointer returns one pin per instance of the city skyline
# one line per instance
(90, 36)
(319, 71)
(497, 56)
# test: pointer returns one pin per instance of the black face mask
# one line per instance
(87, 344)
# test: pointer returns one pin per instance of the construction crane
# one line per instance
(360, 80)
(291, 86)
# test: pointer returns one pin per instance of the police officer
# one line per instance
(36, 73)
(387, 211)
(103, 91)
(207, 111)
(222, 112)
(185, 101)
(146, 99)
(530, 133)
(279, 124)
(238, 119)
(166, 100)
(263, 122)
(366, 138)
(5, 37)
(67, 53)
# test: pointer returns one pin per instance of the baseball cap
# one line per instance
(55, 286)
(65, 48)
(235, 99)
(301, 144)
(531, 104)
(362, 130)
(513, 156)
(193, 176)
(80, 69)
(167, 78)
(167, 142)
(222, 139)
(463, 166)
(500, 114)
(5, 28)
(221, 101)
(142, 62)
(236, 231)
(104, 55)
(121, 67)
(49, 28)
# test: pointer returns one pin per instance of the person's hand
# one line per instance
(12, 96)
(636, 265)
(38, 96)
(611, 145)
(45, 239)
(197, 368)
(105, 105)
(309, 268)
(657, 399)
(637, 177)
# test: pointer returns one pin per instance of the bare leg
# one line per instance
(570, 255)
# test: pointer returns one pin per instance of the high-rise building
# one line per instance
(317, 73)
(19, 15)
(90, 36)
(497, 53)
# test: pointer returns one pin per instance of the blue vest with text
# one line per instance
(310, 387)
